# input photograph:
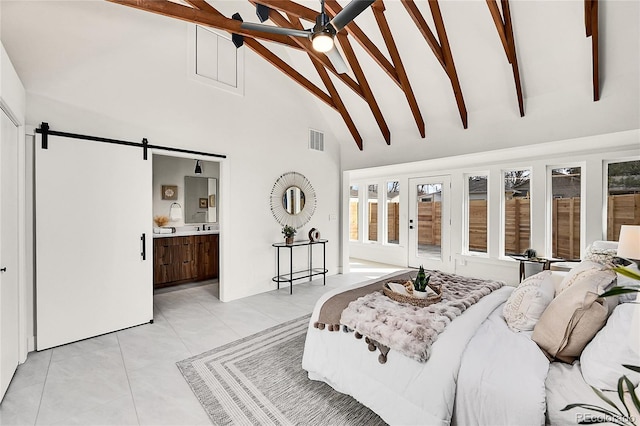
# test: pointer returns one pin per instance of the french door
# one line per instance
(9, 249)
(94, 271)
(430, 223)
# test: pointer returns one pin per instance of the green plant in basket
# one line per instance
(421, 280)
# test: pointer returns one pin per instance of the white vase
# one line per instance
(420, 294)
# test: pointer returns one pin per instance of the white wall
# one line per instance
(134, 84)
(590, 153)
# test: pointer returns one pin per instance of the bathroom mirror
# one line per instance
(293, 200)
(200, 199)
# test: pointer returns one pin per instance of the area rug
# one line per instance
(259, 380)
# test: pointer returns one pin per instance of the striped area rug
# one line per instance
(259, 380)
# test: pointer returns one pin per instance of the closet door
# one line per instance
(9, 321)
(93, 240)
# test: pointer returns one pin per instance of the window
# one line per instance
(517, 211)
(354, 212)
(477, 212)
(214, 60)
(623, 195)
(372, 212)
(393, 212)
(565, 212)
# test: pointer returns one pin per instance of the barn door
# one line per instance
(94, 270)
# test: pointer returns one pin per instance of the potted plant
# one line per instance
(288, 232)
(420, 284)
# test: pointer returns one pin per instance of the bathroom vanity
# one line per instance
(185, 257)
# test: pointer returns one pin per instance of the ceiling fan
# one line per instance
(323, 32)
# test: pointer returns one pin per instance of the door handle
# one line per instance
(144, 247)
(3, 269)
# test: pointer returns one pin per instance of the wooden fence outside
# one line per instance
(622, 210)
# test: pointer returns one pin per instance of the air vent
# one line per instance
(316, 140)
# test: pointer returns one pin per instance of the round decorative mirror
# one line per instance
(293, 200)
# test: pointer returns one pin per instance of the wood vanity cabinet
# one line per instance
(178, 260)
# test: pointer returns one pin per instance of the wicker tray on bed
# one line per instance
(413, 300)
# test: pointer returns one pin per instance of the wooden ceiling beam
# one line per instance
(305, 44)
(359, 36)
(424, 29)
(499, 23)
(440, 48)
(290, 8)
(591, 27)
(272, 58)
(448, 59)
(362, 79)
(333, 8)
(335, 96)
(504, 26)
(201, 17)
(383, 24)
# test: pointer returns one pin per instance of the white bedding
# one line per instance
(502, 377)
(565, 385)
(402, 391)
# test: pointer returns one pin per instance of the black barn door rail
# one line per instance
(46, 131)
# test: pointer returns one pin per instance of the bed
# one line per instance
(480, 371)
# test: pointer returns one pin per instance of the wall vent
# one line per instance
(316, 140)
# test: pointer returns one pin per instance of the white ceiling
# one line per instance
(57, 47)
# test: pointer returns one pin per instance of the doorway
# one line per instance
(186, 244)
(430, 223)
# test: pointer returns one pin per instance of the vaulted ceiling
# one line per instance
(288, 14)
(427, 79)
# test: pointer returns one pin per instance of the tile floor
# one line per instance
(129, 377)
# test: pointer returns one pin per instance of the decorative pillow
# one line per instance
(575, 316)
(601, 252)
(583, 269)
(528, 301)
(603, 357)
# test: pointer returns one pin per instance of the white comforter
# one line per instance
(402, 391)
(502, 378)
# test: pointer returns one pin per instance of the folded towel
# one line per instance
(163, 230)
(175, 212)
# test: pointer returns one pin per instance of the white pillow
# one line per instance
(602, 358)
(584, 269)
(528, 301)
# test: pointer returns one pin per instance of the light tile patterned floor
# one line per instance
(130, 378)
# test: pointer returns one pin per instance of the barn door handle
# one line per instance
(144, 247)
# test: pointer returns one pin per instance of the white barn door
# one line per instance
(93, 207)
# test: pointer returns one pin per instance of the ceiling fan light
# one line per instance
(322, 42)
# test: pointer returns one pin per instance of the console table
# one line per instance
(310, 272)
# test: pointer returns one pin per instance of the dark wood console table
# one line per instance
(310, 272)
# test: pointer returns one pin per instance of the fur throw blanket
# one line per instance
(409, 329)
